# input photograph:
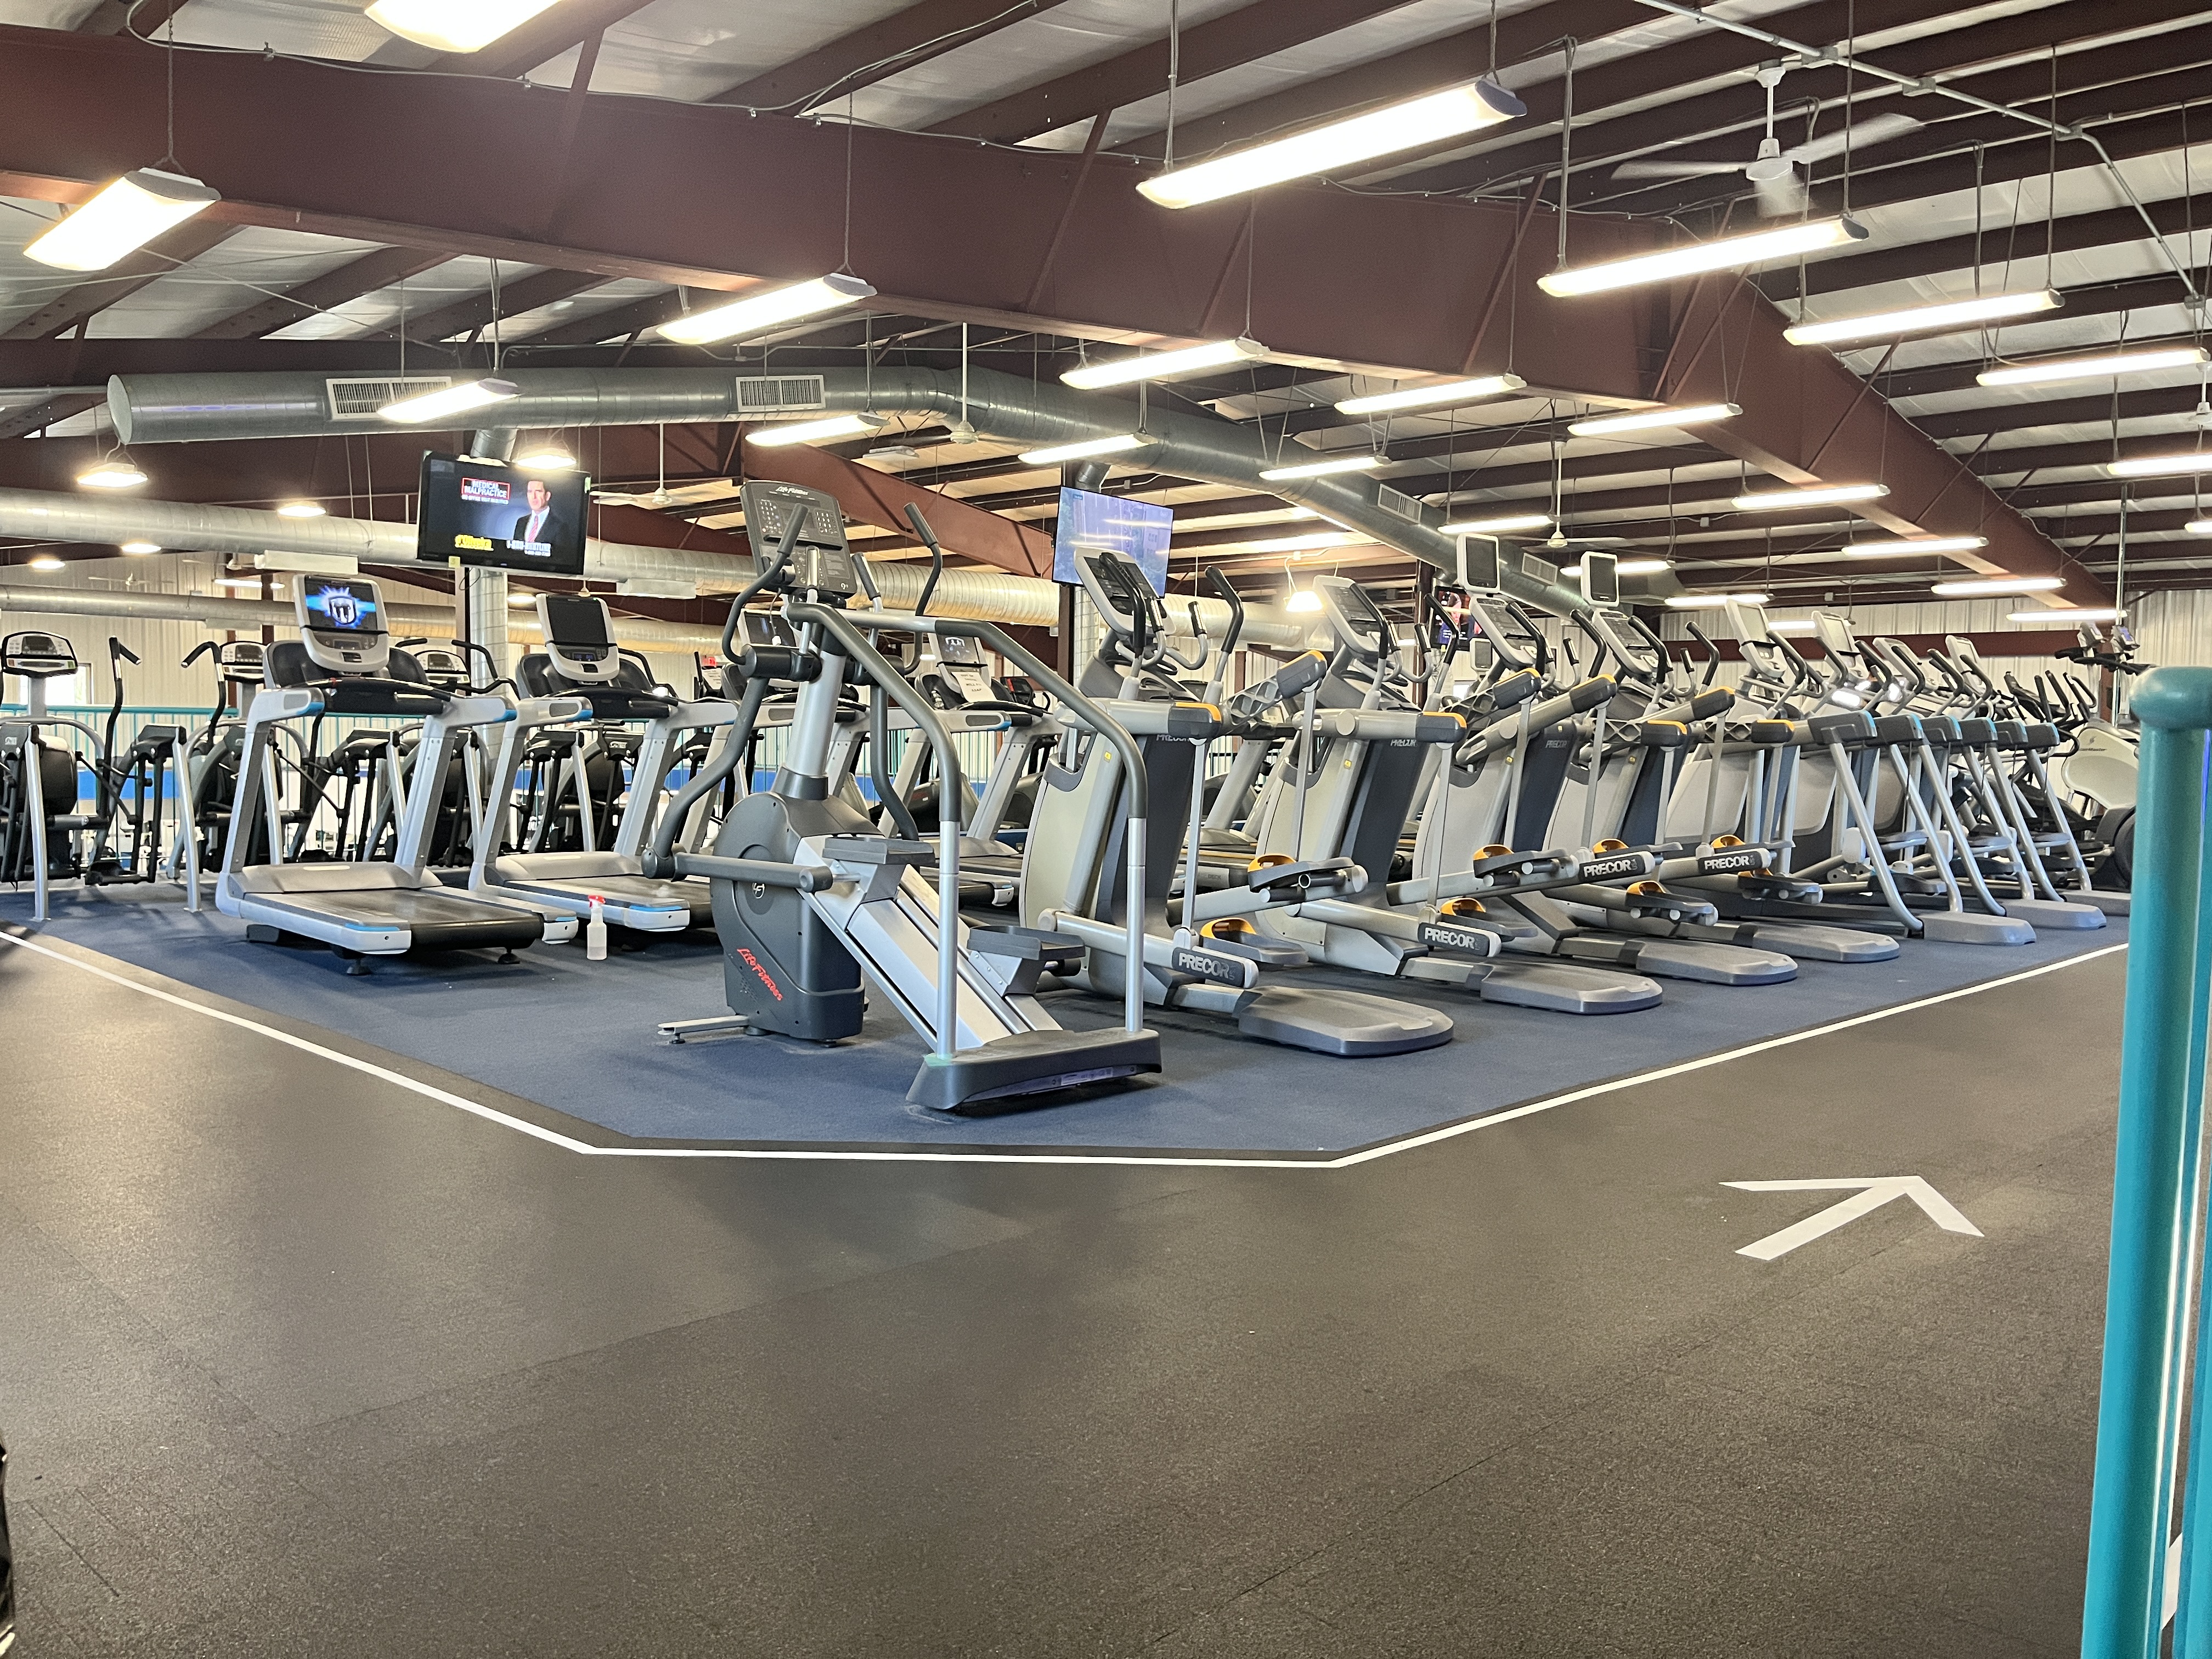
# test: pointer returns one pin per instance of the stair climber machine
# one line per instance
(581, 678)
(1210, 962)
(207, 779)
(812, 901)
(1861, 825)
(344, 664)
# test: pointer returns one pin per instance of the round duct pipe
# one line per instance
(186, 408)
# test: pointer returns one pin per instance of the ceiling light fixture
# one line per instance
(1731, 252)
(126, 214)
(1491, 527)
(139, 549)
(1447, 114)
(301, 510)
(1084, 450)
(1714, 601)
(1626, 568)
(757, 312)
(2149, 466)
(1794, 625)
(2068, 614)
(2052, 369)
(1924, 319)
(1644, 419)
(449, 400)
(1431, 397)
(111, 475)
(1318, 538)
(45, 561)
(1165, 365)
(455, 24)
(520, 601)
(807, 431)
(237, 581)
(2199, 526)
(1901, 550)
(1303, 602)
(1778, 501)
(1998, 585)
(547, 458)
(1321, 469)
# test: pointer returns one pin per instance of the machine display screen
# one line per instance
(341, 605)
(572, 619)
(1138, 531)
(504, 517)
(958, 651)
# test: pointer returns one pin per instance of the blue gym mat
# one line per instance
(580, 1037)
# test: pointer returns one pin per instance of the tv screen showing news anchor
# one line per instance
(482, 513)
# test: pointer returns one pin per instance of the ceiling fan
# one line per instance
(1779, 175)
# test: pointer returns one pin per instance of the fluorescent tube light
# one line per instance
(1491, 526)
(45, 561)
(1923, 319)
(1729, 253)
(1318, 538)
(1424, 120)
(2199, 526)
(2066, 614)
(2149, 466)
(1243, 521)
(550, 459)
(2052, 369)
(1998, 585)
(450, 400)
(1644, 419)
(807, 431)
(1900, 549)
(301, 510)
(1795, 625)
(139, 549)
(1775, 501)
(1431, 397)
(1627, 568)
(237, 581)
(1303, 603)
(111, 475)
(520, 601)
(757, 312)
(126, 214)
(1714, 601)
(455, 24)
(1165, 365)
(1084, 450)
(1323, 468)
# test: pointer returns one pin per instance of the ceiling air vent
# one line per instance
(779, 394)
(1398, 501)
(358, 398)
(1539, 570)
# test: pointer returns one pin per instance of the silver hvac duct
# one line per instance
(985, 595)
(220, 615)
(186, 408)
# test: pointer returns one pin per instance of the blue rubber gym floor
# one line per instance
(579, 1037)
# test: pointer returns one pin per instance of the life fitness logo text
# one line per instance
(753, 963)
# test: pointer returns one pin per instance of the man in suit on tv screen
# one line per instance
(541, 524)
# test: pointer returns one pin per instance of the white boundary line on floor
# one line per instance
(1426, 1137)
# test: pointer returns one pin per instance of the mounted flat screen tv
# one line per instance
(1137, 530)
(505, 517)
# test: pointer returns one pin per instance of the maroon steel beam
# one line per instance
(1252, 31)
(541, 39)
(881, 499)
(911, 35)
(636, 317)
(160, 257)
(371, 272)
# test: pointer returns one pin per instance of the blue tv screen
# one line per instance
(1136, 530)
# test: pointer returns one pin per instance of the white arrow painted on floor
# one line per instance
(1873, 1192)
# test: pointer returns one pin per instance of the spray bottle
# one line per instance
(595, 932)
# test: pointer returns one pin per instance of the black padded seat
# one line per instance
(1896, 729)
(1848, 729)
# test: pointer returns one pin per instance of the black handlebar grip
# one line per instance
(1591, 693)
(1719, 700)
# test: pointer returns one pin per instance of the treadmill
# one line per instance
(582, 677)
(344, 664)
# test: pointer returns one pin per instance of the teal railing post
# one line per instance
(2155, 1186)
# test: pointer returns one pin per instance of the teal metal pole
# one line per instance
(2161, 1067)
(2192, 1616)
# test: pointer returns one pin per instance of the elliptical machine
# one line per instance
(40, 823)
(811, 897)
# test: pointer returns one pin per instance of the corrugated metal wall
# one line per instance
(2174, 628)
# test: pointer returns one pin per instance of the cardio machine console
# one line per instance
(37, 656)
(341, 620)
(821, 557)
(960, 662)
(579, 639)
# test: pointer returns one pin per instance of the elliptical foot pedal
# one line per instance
(1561, 988)
(2062, 916)
(1970, 927)
(1349, 1025)
(1031, 1063)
